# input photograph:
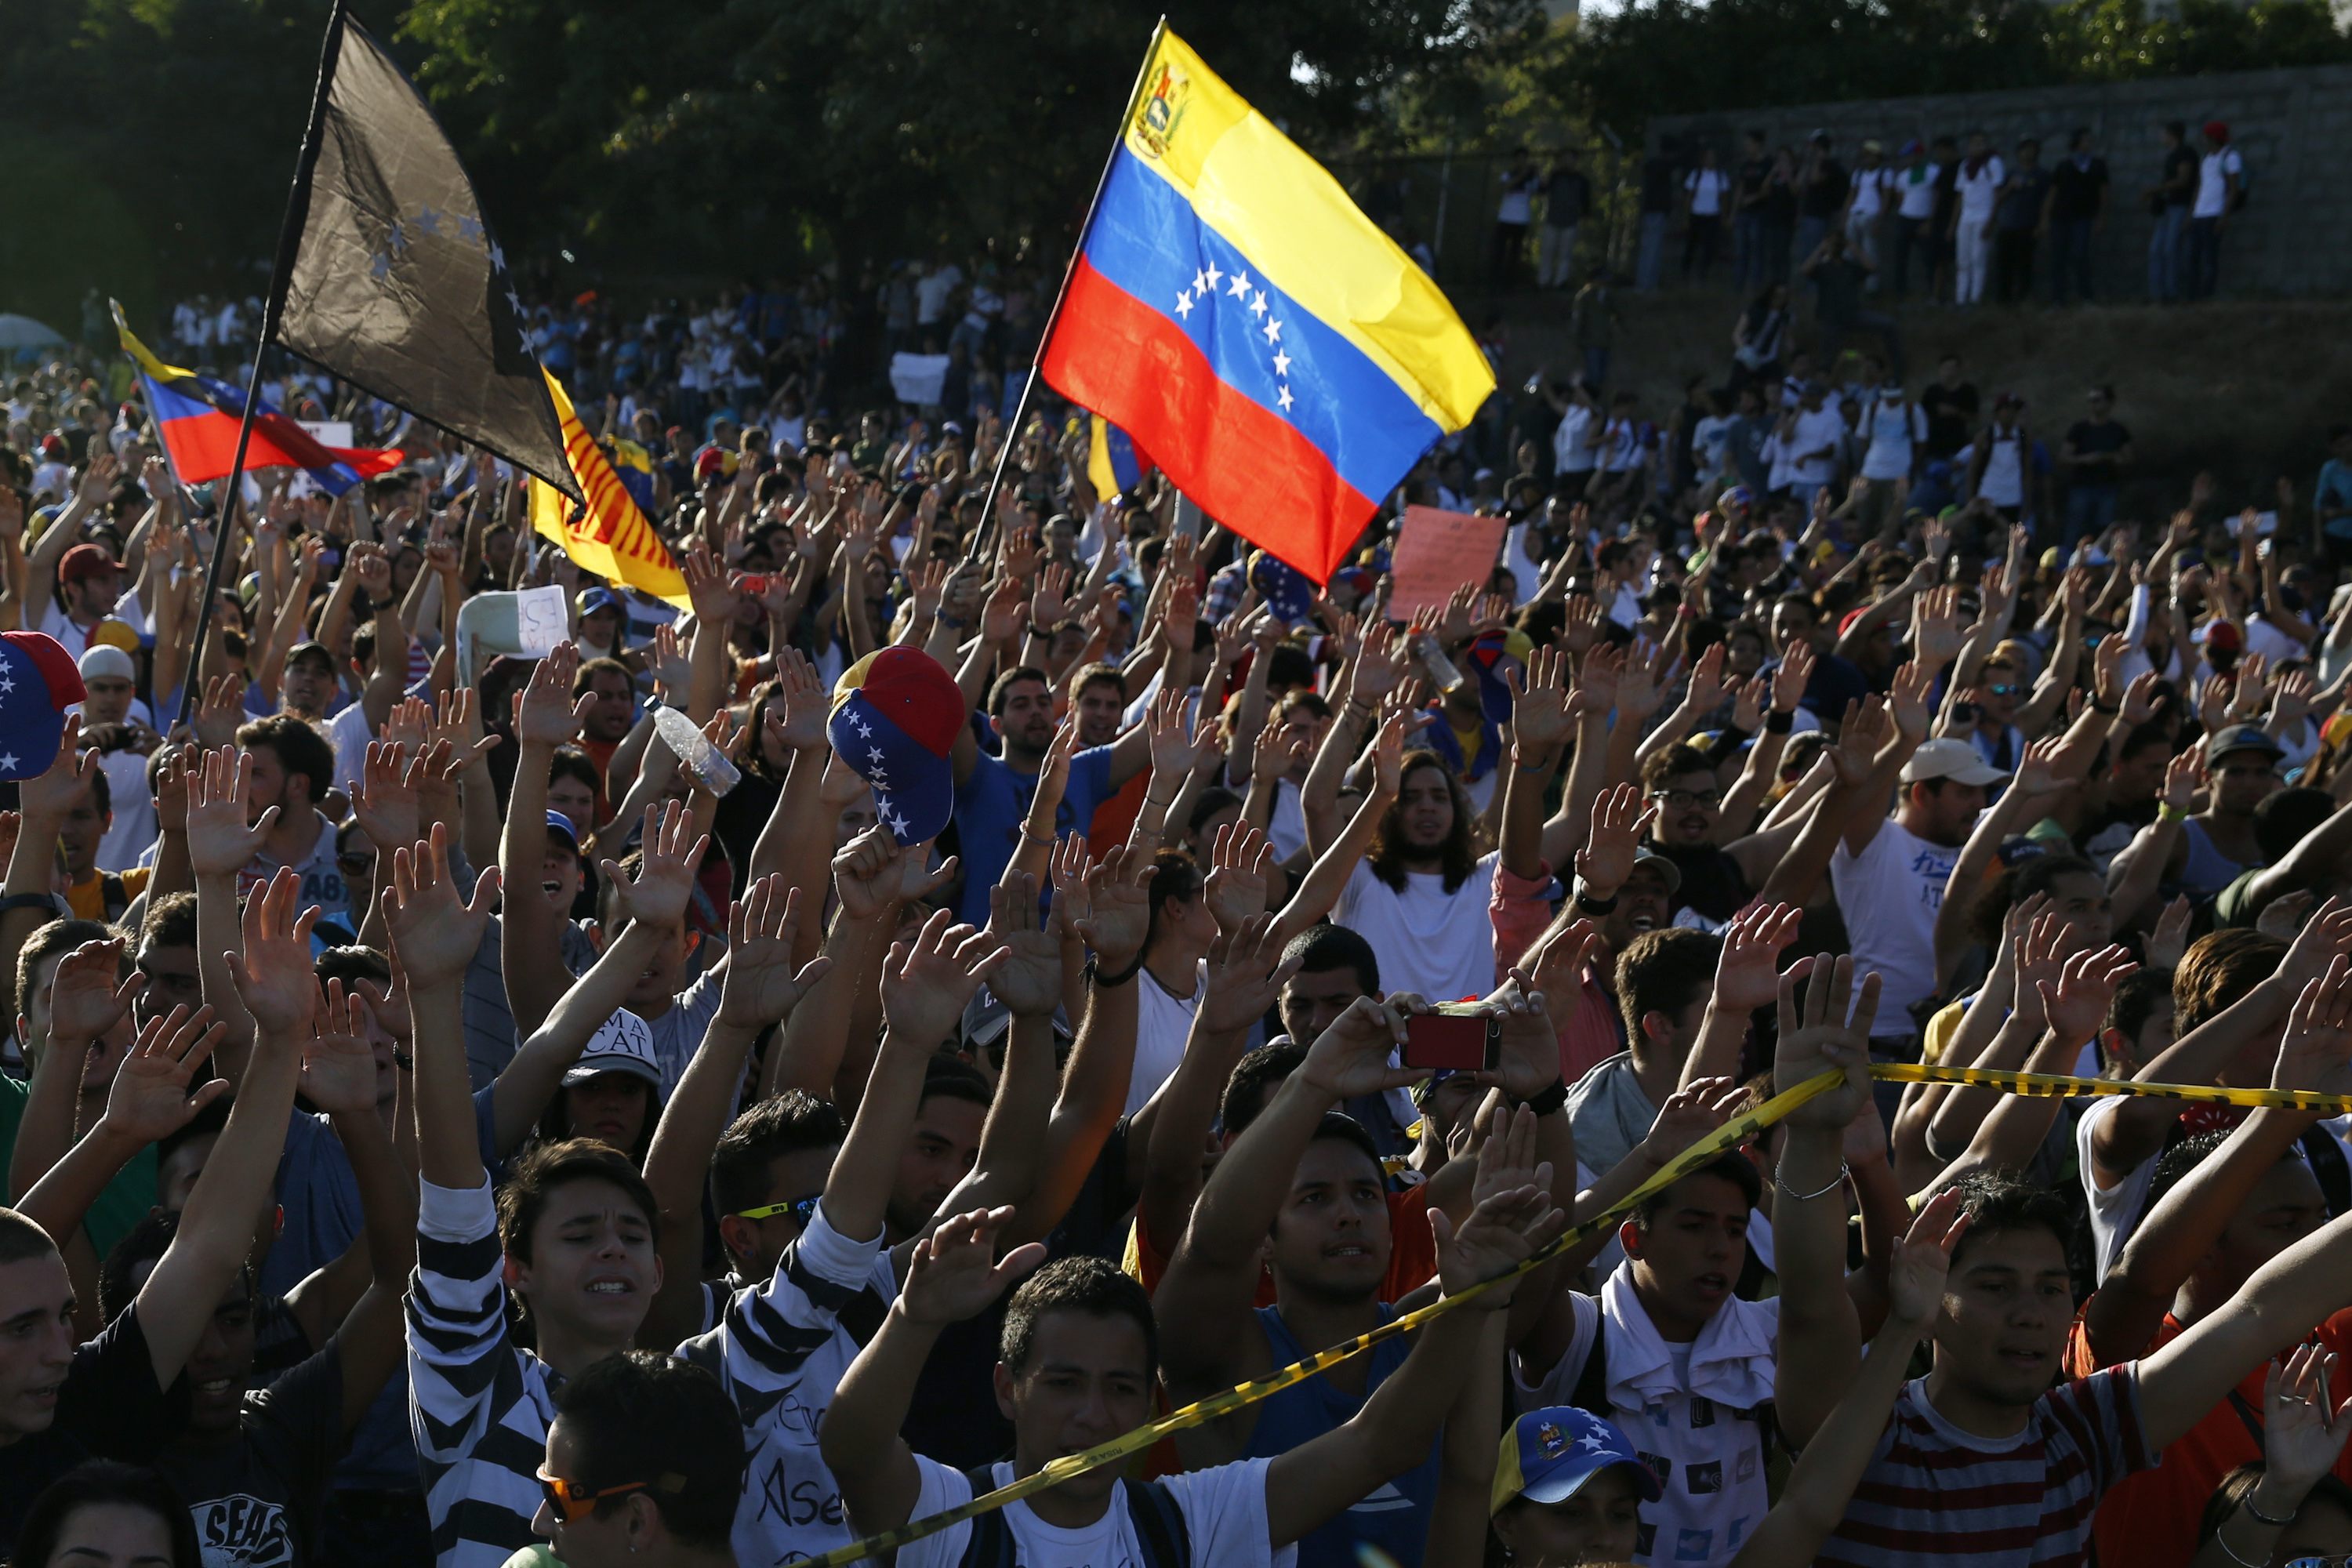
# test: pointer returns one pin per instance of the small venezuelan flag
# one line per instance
(1279, 357)
(198, 415)
(1114, 462)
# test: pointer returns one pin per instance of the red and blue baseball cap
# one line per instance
(37, 683)
(1548, 1455)
(896, 713)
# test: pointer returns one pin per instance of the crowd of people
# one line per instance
(443, 1123)
(1954, 215)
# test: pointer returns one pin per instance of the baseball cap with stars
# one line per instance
(37, 683)
(896, 713)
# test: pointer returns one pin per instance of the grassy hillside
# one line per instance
(2240, 387)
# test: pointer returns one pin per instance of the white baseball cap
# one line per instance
(622, 1043)
(104, 661)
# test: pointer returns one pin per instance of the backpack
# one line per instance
(1159, 1524)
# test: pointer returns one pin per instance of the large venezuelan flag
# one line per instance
(1279, 357)
(198, 417)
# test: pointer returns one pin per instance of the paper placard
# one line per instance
(1438, 551)
(541, 623)
(917, 378)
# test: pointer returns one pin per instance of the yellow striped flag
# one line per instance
(609, 535)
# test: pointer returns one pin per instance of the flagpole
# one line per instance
(1069, 269)
(290, 240)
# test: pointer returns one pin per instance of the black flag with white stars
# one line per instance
(398, 285)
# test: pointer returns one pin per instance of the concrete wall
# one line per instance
(2293, 127)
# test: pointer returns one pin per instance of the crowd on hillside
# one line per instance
(445, 1124)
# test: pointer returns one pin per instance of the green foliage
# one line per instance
(150, 141)
(1676, 57)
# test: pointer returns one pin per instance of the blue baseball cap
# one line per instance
(896, 716)
(559, 823)
(1285, 588)
(1548, 1455)
(595, 599)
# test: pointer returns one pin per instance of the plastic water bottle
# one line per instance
(710, 768)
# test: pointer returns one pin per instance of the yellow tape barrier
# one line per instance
(1739, 1130)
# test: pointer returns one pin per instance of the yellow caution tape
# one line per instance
(2043, 1085)
(1730, 1135)
(1739, 1130)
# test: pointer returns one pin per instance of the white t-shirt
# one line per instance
(1707, 187)
(1889, 894)
(1569, 452)
(1892, 428)
(1621, 446)
(1433, 944)
(134, 825)
(1977, 190)
(1162, 1023)
(1818, 428)
(1916, 192)
(2115, 1211)
(1287, 831)
(1223, 1508)
(1870, 192)
(1515, 205)
(932, 291)
(2213, 171)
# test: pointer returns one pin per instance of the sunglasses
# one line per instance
(570, 1500)
(2320, 1563)
(2005, 690)
(354, 865)
(802, 1210)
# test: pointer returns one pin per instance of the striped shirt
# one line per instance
(780, 1350)
(479, 1405)
(1936, 1495)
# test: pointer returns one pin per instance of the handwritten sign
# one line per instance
(539, 621)
(1438, 551)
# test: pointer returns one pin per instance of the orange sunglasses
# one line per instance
(570, 1500)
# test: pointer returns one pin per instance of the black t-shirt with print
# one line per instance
(109, 1408)
(257, 1500)
(2077, 189)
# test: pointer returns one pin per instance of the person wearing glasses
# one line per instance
(645, 1463)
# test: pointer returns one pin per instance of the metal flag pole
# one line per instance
(1021, 408)
(290, 240)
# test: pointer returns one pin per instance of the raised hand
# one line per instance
(1619, 821)
(2327, 934)
(385, 803)
(759, 985)
(1819, 1035)
(2168, 942)
(664, 883)
(1172, 743)
(2303, 1430)
(339, 1074)
(2283, 915)
(2317, 1043)
(545, 713)
(1351, 1056)
(410, 724)
(1597, 680)
(1706, 687)
(927, 981)
(1510, 1224)
(1380, 665)
(1747, 972)
(274, 972)
(2078, 1005)
(86, 999)
(1868, 727)
(708, 586)
(1693, 1111)
(1241, 866)
(1540, 719)
(673, 670)
(2182, 776)
(1118, 906)
(434, 936)
(1028, 977)
(1555, 961)
(1641, 689)
(1915, 1275)
(219, 841)
(873, 874)
(1908, 702)
(955, 1274)
(151, 1099)
(1528, 1056)
(806, 704)
(1245, 976)
(221, 714)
